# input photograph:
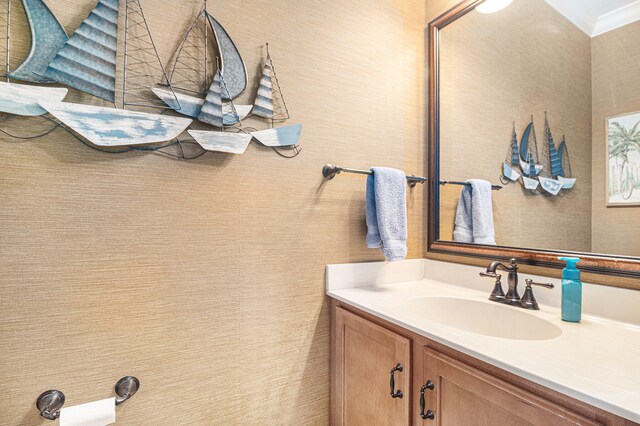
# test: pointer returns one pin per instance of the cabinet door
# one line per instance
(465, 396)
(364, 355)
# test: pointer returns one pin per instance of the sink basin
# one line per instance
(487, 318)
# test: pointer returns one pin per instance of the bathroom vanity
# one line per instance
(410, 346)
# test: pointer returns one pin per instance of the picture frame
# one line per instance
(623, 160)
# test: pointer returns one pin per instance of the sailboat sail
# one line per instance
(513, 158)
(47, 38)
(524, 142)
(47, 33)
(87, 61)
(192, 69)
(514, 146)
(211, 112)
(567, 181)
(263, 105)
(554, 155)
(142, 65)
(231, 64)
(550, 160)
(563, 153)
(529, 152)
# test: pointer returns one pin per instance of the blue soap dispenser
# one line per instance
(571, 291)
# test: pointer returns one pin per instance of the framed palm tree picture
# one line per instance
(623, 160)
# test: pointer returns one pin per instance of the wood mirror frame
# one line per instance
(596, 263)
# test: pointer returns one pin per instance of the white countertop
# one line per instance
(596, 361)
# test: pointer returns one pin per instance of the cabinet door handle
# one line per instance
(392, 382)
(429, 414)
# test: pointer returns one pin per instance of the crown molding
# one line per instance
(574, 15)
(617, 18)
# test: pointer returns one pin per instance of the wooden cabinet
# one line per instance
(455, 394)
(454, 388)
(365, 355)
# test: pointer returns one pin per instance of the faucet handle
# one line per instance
(528, 300)
(489, 275)
(497, 295)
(529, 282)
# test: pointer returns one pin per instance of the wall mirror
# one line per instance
(540, 97)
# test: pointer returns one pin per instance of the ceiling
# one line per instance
(596, 17)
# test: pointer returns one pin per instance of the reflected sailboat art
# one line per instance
(508, 166)
(87, 62)
(555, 169)
(567, 181)
(553, 164)
(529, 157)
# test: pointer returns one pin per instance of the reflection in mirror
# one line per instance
(543, 98)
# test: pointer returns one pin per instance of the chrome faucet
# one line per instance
(528, 301)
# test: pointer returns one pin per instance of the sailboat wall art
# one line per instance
(47, 36)
(229, 82)
(214, 106)
(110, 127)
(87, 62)
(550, 173)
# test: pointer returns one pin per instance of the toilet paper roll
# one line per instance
(97, 413)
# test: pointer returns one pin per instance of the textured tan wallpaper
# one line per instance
(206, 279)
(616, 90)
(501, 68)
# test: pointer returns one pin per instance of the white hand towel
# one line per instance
(474, 215)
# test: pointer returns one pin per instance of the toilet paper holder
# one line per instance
(50, 403)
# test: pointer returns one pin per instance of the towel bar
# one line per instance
(329, 171)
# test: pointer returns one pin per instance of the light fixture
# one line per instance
(491, 6)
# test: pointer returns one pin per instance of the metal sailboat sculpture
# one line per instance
(508, 166)
(567, 181)
(553, 165)
(265, 107)
(193, 81)
(551, 182)
(213, 113)
(47, 37)
(229, 81)
(529, 157)
(87, 62)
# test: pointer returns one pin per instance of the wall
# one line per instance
(206, 279)
(616, 90)
(502, 68)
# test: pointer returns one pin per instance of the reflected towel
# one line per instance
(474, 216)
(386, 212)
